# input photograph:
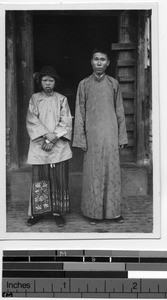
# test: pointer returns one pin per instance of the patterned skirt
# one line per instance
(49, 189)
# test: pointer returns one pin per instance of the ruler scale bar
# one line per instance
(84, 273)
(112, 285)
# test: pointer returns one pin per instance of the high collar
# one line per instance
(47, 95)
(99, 78)
(43, 96)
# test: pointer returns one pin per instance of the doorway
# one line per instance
(65, 41)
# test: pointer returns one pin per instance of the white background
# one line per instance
(160, 73)
(133, 244)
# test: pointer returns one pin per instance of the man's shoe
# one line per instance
(59, 221)
(92, 221)
(32, 221)
(119, 219)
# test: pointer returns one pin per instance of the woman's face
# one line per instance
(47, 83)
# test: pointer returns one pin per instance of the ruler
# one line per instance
(84, 274)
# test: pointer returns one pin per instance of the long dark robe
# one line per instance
(99, 129)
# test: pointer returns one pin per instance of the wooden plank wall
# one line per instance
(126, 75)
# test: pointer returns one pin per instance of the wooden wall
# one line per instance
(126, 75)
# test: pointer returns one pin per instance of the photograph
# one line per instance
(81, 120)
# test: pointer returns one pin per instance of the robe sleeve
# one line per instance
(79, 138)
(34, 127)
(64, 128)
(119, 108)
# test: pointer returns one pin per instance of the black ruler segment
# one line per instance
(97, 259)
(16, 258)
(64, 274)
(153, 259)
(69, 258)
(42, 258)
(32, 266)
(96, 274)
(83, 274)
(125, 259)
(33, 274)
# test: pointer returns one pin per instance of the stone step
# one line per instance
(134, 183)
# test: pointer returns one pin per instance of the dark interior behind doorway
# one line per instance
(64, 39)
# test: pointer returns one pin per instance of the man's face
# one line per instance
(99, 63)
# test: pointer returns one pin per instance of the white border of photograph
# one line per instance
(155, 116)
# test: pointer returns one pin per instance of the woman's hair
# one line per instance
(46, 70)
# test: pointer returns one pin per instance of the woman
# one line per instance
(49, 125)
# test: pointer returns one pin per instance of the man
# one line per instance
(100, 131)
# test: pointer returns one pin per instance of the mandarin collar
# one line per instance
(43, 96)
(99, 78)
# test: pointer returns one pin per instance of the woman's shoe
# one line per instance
(59, 221)
(32, 221)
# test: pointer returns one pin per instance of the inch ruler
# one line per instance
(84, 274)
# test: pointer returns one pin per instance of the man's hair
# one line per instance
(101, 50)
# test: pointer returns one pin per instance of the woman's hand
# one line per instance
(51, 136)
(47, 146)
(54, 141)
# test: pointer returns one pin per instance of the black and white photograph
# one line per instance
(82, 117)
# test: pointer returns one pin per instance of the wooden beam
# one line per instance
(126, 78)
(129, 110)
(126, 63)
(123, 46)
(128, 95)
(130, 127)
(11, 91)
(140, 90)
(25, 77)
